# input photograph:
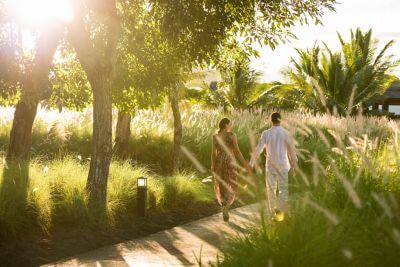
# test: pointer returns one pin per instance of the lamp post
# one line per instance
(141, 196)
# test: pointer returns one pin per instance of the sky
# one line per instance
(380, 15)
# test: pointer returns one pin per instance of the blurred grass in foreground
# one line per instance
(344, 207)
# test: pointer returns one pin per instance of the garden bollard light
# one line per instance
(141, 196)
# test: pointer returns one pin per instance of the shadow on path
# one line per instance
(179, 246)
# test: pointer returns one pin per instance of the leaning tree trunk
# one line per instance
(35, 88)
(98, 65)
(21, 132)
(122, 134)
(177, 153)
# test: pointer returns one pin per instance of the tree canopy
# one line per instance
(208, 28)
(110, 37)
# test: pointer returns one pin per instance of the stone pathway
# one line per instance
(179, 246)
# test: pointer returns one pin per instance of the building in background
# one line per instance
(203, 77)
(387, 103)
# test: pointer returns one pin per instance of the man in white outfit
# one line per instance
(281, 158)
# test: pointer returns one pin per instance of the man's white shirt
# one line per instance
(279, 145)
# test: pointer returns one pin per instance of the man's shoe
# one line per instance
(279, 216)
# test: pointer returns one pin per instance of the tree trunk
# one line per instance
(35, 88)
(102, 141)
(177, 153)
(122, 134)
(99, 67)
(21, 132)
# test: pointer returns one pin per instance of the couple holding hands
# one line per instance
(280, 159)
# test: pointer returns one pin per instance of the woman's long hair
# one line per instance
(223, 123)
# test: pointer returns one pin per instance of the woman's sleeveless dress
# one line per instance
(225, 172)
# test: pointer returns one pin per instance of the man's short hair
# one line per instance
(276, 117)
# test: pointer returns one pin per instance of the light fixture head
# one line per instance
(142, 182)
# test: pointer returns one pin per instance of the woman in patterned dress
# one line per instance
(224, 166)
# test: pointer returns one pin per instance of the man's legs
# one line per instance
(283, 186)
(277, 189)
(270, 190)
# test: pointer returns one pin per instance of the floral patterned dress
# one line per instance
(225, 172)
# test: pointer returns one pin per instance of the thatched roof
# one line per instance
(393, 92)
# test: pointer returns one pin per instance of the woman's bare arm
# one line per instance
(239, 154)
(213, 154)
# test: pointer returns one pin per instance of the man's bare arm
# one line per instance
(259, 149)
(291, 152)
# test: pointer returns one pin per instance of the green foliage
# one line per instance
(206, 30)
(13, 65)
(58, 135)
(343, 207)
(276, 95)
(70, 86)
(185, 190)
(341, 81)
(238, 89)
(240, 85)
(162, 40)
(144, 68)
(55, 195)
(326, 226)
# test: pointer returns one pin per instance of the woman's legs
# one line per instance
(225, 188)
(225, 212)
(226, 200)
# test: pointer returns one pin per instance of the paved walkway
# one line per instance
(179, 246)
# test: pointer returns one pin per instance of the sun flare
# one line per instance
(41, 12)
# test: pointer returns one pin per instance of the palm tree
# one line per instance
(341, 81)
(239, 89)
(239, 84)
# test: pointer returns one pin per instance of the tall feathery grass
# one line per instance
(345, 199)
(51, 194)
(58, 135)
(344, 208)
